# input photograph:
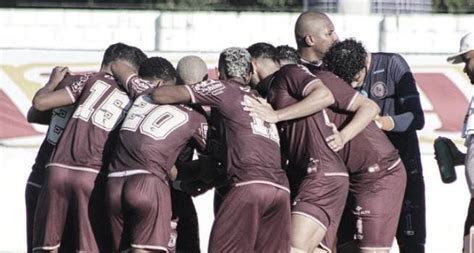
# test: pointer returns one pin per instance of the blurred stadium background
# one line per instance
(37, 35)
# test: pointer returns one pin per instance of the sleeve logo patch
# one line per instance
(77, 86)
(141, 85)
(209, 87)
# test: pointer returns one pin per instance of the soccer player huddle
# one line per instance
(307, 150)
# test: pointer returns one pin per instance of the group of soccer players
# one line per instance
(297, 156)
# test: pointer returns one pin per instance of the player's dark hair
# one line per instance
(346, 59)
(263, 50)
(287, 53)
(157, 68)
(121, 51)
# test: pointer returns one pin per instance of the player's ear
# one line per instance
(253, 67)
(309, 40)
(159, 82)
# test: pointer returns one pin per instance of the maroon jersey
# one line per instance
(312, 66)
(152, 136)
(369, 150)
(101, 105)
(303, 139)
(253, 152)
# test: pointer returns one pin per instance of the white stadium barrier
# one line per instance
(214, 31)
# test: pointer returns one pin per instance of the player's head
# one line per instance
(235, 63)
(314, 30)
(348, 60)
(158, 69)
(191, 69)
(465, 55)
(121, 51)
(287, 55)
(264, 61)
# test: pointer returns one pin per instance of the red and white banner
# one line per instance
(444, 89)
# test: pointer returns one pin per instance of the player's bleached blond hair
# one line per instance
(235, 62)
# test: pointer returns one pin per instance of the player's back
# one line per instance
(369, 149)
(88, 138)
(302, 139)
(253, 152)
(152, 136)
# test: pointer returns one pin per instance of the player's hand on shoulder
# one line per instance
(58, 74)
(259, 107)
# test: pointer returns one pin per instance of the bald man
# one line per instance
(190, 69)
(314, 34)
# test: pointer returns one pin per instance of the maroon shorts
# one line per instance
(32, 190)
(322, 197)
(139, 208)
(373, 208)
(64, 191)
(253, 218)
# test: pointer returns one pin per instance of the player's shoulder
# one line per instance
(93, 77)
(384, 56)
(105, 77)
(78, 81)
(194, 111)
(293, 73)
(394, 61)
(292, 68)
(77, 77)
(327, 75)
(209, 86)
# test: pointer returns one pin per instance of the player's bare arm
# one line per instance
(38, 117)
(365, 111)
(47, 97)
(317, 97)
(171, 95)
(385, 123)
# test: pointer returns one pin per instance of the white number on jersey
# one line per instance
(58, 122)
(109, 113)
(154, 120)
(269, 131)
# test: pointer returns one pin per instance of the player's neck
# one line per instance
(106, 69)
(309, 55)
(270, 70)
(239, 80)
